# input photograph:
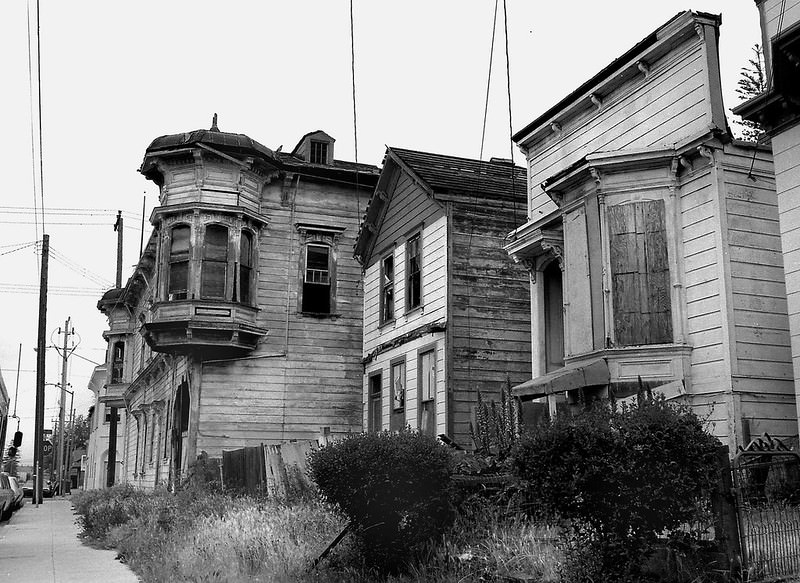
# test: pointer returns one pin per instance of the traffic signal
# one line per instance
(17, 439)
(12, 451)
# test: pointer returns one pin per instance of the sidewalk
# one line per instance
(41, 545)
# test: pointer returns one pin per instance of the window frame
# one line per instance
(174, 259)
(312, 234)
(327, 273)
(421, 402)
(118, 362)
(207, 262)
(385, 317)
(372, 398)
(318, 151)
(397, 413)
(244, 272)
(415, 236)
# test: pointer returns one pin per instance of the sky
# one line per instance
(116, 75)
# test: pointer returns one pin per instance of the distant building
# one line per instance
(446, 312)
(96, 471)
(778, 112)
(654, 250)
(241, 324)
(4, 405)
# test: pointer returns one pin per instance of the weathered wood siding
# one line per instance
(306, 374)
(669, 104)
(490, 310)
(409, 210)
(786, 148)
(410, 352)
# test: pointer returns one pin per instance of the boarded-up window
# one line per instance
(215, 262)
(640, 273)
(317, 280)
(245, 267)
(413, 272)
(398, 419)
(374, 405)
(427, 392)
(387, 289)
(179, 263)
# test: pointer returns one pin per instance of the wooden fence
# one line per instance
(277, 470)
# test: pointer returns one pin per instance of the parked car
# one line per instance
(6, 497)
(19, 495)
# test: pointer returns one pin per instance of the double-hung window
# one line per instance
(374, 403)
(118, 362)
(387, 289)
(427, 392)
(245, 267)
(398, 393)
(413, 272)
(179, 263)
(317, 279)
(215, 262)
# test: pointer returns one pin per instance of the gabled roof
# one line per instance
(445, 178)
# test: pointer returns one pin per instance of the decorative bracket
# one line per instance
(643, 67)
(700, 30)
(686, 163)
(556, 127)
(556, 250)
(706, 152)
(597, 100)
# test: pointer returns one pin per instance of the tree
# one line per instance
(752, 82)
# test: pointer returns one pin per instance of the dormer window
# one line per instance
(319, 152)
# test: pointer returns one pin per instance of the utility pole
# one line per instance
(111, 462)
(64, 356)
(40, 368)
(71, 439)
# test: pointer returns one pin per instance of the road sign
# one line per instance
(47, 447)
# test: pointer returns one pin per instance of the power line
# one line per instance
(33, 137)
(39, 86)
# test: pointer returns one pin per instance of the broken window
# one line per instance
(118, 362)
(427, 392)
(179, 263)
(413, 272)
(213, 273)
(640, 273)
(387, 289)
(317, 280)
(398, 395)
(245, 267)
(374, 405)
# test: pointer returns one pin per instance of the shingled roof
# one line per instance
(446, 178)
(465, 176)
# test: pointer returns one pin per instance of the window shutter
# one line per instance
(640, 273)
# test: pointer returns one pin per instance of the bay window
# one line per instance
(214, 270)
(179, 263)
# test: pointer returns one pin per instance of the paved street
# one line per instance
(41, 545)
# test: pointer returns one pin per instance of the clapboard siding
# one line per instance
(409, 352)
(772, 18)
(757, 281)
(410, 208)
(668, 105)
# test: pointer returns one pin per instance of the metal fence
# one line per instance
(766, 479)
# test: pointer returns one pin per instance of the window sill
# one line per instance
(319, 315)
(414, 311)
(387, 324)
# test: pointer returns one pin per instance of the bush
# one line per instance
(394, 488)
(621, 476)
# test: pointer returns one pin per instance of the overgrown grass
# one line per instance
(216, 538)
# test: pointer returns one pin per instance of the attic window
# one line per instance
(319, 152)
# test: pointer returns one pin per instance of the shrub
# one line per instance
(622, 476)
(394, 488)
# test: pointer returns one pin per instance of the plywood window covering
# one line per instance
(640, 273)
(214, 270)
(245, 267)
(319, 152)
(427, 392)
(317, 280)
(413, 272)
(179, 263)
(387, 289)
(118, 362)
(374, 404)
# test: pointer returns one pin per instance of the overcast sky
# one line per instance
(115, 75)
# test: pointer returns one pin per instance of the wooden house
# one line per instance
(778, 112)
(446, 312)
(241, 323)
(97, 446)
(653, 243)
